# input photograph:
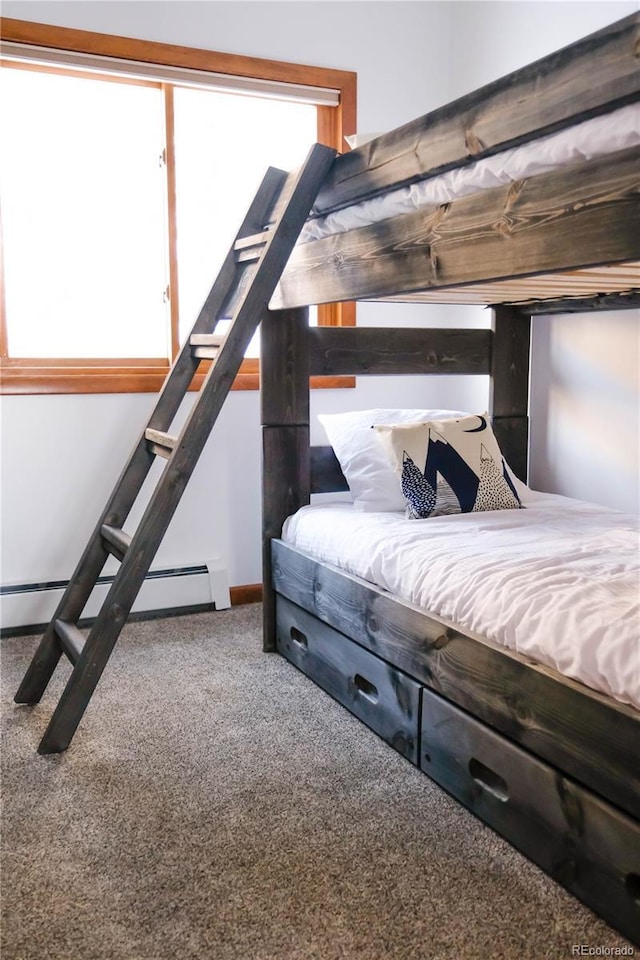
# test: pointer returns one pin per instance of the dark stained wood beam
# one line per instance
(604, 301)
(509, 391)
(284, 396)
(587, 214)
(384, 698)
(509, 386)
(587, 78)
(338, 351)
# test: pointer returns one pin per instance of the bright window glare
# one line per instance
(84, 217)
(224, 145)
(84, 209)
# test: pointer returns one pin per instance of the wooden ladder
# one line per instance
(241, 291)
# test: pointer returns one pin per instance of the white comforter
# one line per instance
(584, 141)
(558, 581)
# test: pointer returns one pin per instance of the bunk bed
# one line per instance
(549, 761)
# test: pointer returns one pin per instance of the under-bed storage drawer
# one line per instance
(382, 697)
(589, 846)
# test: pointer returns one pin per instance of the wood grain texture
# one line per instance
(512, 434)
(397, 350)
(510, 350)
(185, 453)
(193, 436)
(71, 639)
(285, 488)
(148, 51)
(286, 481)
(334, 125)
(604, 301)
(284, 360)
(384, 698)
(575, 288)
(245, 593)
(584, 215)
(585, 734)
(116, 540)
(545, 96)
(509, 386)
(284, 400)
(28, 378)
(586, 844)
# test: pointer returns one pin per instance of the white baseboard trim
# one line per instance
(23, 605)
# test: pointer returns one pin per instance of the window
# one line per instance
(205, 171)
(83, 217)
(122, 190)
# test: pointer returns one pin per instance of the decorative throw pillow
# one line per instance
(449, 466)
(372, 481)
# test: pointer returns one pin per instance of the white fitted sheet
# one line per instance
(584, 141)
(558, 581)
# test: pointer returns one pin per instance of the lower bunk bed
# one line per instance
(496, 651)
(542, 742)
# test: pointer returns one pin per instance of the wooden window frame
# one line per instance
(102, 375)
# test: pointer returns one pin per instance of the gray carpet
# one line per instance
(216, 804)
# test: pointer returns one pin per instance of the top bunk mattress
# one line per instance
(552, 219)
(592, 138)
(558, 581)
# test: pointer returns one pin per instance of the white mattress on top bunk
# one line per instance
(593, 138)
(558, 581)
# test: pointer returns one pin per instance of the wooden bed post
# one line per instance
(509, 390)
(284, 390)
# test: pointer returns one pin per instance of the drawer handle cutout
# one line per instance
(299, 637)
(366, 688)
(489, 779)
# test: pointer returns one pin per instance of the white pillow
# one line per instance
(372, 481)
(359, 139)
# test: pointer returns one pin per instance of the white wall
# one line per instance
(61, 454)
(589, 447)
(490, 38)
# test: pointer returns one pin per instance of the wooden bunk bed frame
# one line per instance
(550, 764)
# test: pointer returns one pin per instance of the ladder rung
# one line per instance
(162, 444)
(240, 294)
(206, 339)
(249, 256)
(252, 241)
(71, 639)
(251, 248)
(206, 346)
(117, 540)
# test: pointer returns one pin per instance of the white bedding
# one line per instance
(558, 581)
(584, 141)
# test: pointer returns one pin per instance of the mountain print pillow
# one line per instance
(449, 466)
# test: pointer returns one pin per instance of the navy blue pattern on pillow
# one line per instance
(464, 471)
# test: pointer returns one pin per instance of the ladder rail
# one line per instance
(186, 363)
(129, 483)
(188, 448)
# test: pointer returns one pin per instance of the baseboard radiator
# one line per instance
(28, 606)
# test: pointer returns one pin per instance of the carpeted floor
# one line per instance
(216, 804)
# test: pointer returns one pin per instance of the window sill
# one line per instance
(28, 377)
(82, 376)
